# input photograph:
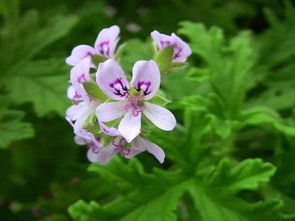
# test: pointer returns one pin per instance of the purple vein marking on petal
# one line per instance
(144, 87)
(77, 96)
(120, 89)
(93, 147)
(165, 43)
(82, 78)
(88, 53)
(178, 50)
(104, 48)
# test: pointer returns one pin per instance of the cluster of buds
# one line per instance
(107, 109)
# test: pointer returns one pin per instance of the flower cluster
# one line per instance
(107, 109)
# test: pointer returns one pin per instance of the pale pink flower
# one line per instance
(181, 49)
(105, 45)
(132, 99)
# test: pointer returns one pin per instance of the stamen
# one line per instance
(133, 104)
(120, 147)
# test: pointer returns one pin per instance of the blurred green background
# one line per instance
(42, 171)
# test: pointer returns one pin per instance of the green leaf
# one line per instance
(277, 68)
(120, 51)
(41, 82)
(57, 27)
(141, 195)
(135, 50)
(260, 116)
(247, 175)
(227, 63)
(80, 210)
(212, 207)
(215, 197)
(161, 208)
(44, 83)
(12, 128)
(160, 99)
(94, 91)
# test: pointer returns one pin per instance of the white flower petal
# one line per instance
(106, 154)
(79, 53)
(129, 126)
(80, 72)
(111, 79)
(160, 116)
(79, 140)
(152, 148)
(161, 40)
(110, 111)
(106, 41)
(134, 151)
(146, 78)
(181, 49)
(78, 113)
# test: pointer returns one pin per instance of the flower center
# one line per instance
(120, 147)
(135, 102)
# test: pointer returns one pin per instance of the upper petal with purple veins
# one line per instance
(111, 79)
(106, 41)
(162, 40)
(80, 73)
(73, 94)
(181, 48)
(79, 53)
(146, 78)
